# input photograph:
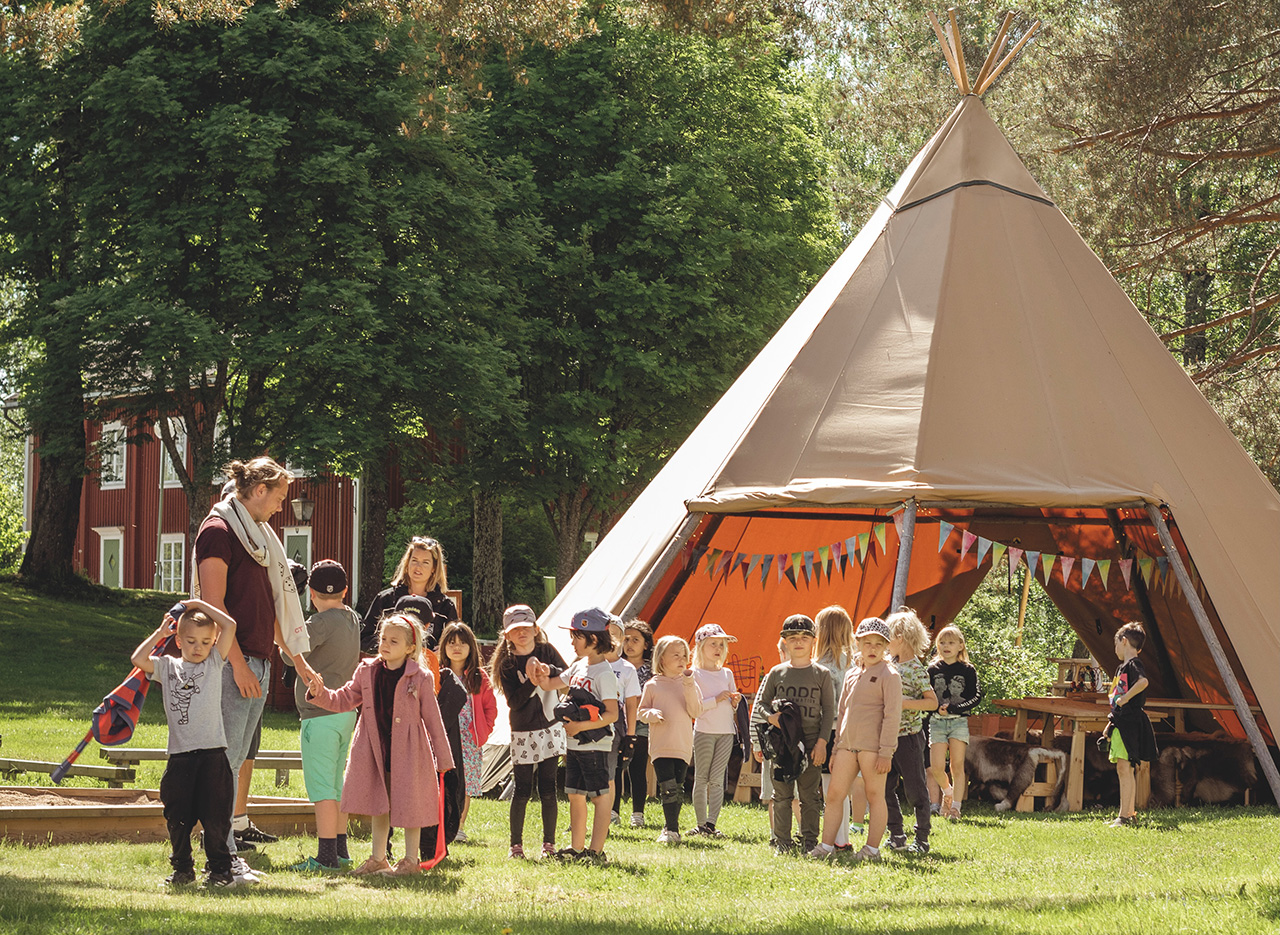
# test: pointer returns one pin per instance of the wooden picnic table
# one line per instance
(116, 776)
(282, 761)
(1083, 716)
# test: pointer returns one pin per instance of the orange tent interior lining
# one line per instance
(723, 576)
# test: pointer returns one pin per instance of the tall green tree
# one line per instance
(268, 245)
(682, 183)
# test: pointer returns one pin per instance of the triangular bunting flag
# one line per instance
(686, 555)
(746, 568)
(824, 560)
(751, 569)
(967, 539)
(782, 565)
(864, 540)
(1162, 564)
(997, 550)
(797, 560)
(808, 566)
(851, 547)
(712, 558)
(1126, 569)
(1086, 569)
(944, 530)
(898, 520)
(1145, 565)
(723, 564)
(1104, 567)
(984, 545)
(1033, 559)
(791, 576)
(878, 529)
(738, 559)
(1067, 562)
(1015, 556)
(766, 562)
(1047, 559)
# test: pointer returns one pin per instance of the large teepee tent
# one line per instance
(966, 386)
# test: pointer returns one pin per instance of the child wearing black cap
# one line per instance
(325, 737)
(586, 767)
(808, 686)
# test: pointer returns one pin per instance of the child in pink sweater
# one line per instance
(669, 703)
(866, 737)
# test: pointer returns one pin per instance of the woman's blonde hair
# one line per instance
(439, 574)
(660, 650)
(906, 626)
(835, 634)
(963, 655)
(409, 624)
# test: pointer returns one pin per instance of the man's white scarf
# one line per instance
(262, 543)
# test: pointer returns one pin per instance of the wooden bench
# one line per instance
(116, 776)
(282, 761)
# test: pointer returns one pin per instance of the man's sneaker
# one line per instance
(588, 856)
(460, 837)
(181, 878)
(669, 837)
(255, 835)
(867, 855)
(615, 819)
(898, 843)
(821, 851)
(311, 865)
(637, 819)
(243, 873)
(222, 881)
(516, 852)
(917, 848)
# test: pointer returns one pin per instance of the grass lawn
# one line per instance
(1192, 870)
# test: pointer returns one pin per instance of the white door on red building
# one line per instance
(297, 546)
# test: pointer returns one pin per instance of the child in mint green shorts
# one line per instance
(334, 631)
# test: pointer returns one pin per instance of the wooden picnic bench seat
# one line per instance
(282, 761)
(116, 776)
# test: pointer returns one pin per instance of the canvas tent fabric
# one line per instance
(967, 350)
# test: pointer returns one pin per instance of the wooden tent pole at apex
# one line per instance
(906, 538)
(953, 52)
(1217, 652)
(659, 567)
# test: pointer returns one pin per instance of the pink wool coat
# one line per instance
(419, 748)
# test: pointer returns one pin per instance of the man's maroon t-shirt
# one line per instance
(249, 600)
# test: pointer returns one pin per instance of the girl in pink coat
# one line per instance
(399, 748)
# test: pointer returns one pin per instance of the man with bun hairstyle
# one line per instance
(807, 685)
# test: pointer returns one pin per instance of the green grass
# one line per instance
(1189, 870)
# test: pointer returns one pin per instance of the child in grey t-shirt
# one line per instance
(197, 783)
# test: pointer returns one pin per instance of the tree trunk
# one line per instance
(568, 517)
(373, 528)
(58, 422)
(487, 601)
(1198, 283)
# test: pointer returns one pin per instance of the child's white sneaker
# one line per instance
(868, 854)
(822, 851)
(637, 819)
(669, 837)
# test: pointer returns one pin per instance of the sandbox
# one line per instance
(47, 815)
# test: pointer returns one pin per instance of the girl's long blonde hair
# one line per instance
(439, 574)
(835, 634)
(906, 626)
(962, 656)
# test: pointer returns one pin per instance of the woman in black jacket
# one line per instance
(421, 572)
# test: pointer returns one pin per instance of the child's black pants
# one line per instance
(197, 786)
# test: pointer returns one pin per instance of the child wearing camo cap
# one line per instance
(869, 710)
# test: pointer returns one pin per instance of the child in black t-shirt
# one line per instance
(1128, 727)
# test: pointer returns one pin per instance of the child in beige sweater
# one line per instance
(866, 737)
(669, 703)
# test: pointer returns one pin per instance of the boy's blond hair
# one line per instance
(661, 648)
(906, 626)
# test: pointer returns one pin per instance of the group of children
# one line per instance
(840, 719)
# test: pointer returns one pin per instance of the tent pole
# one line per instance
(905, 541)
(1216, 651)
(659, 568)
(1022, 605)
